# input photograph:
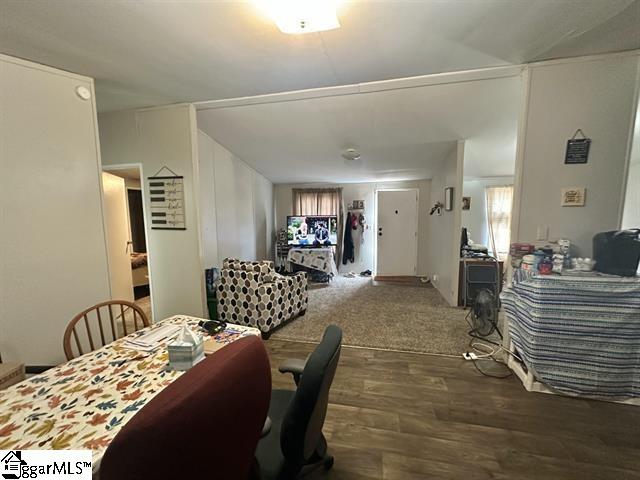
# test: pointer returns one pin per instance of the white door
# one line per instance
(117, 231)
(397, 233)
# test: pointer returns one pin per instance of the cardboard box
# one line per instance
(10, 374)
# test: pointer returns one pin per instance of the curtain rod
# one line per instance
(316, 190)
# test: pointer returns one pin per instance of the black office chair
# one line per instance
(294, 439)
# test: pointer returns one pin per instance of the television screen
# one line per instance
(316, 231)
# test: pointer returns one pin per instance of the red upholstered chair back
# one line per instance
(206, 424)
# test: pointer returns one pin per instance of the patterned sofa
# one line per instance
(253, 294)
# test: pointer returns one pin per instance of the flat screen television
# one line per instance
(312, 231)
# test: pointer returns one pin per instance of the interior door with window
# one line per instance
(397, 233)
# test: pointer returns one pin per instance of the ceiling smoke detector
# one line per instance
(351, 154)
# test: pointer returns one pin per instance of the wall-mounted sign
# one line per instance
(357, 205)
(573, 196)
(577, 149)
(166, 196)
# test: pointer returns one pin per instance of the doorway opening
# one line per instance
(125, 225)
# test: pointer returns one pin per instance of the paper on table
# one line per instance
(152, 339)
(222, 339)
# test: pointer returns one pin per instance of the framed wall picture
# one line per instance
(448, 198)
(166, 195)
(357, 205)
(573, 196)
(466, 203)
(577, 149)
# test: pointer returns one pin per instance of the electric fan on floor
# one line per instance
(484, 315)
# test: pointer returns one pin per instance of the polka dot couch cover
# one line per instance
(253, 294)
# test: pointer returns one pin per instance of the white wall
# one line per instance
(596, 95)
(53, 258)
(364, 250)
(444, 230)
(236, 205)
(475, 219)
(155, 138)
(631, 217)
(631, 213)
(263, 216)
(208, 213)
(241, 182)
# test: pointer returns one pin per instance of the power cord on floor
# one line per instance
(482, 351)
(491, 351)
(487, 353)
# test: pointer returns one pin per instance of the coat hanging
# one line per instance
(348, 254)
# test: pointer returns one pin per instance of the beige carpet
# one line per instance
(145, 304)
(381, 315)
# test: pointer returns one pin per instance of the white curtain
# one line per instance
(316, 201)
(499, 201)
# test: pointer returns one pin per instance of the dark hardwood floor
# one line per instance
(402, 416)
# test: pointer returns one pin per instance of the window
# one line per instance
(314, 201)
(499, 201)
(320, 201)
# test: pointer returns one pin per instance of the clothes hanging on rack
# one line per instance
(348, 254)
(354, 221)
(363, 225)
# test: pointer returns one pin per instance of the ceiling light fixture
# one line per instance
(301, 16)
(351, 154)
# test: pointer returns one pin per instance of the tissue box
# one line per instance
(184, 354)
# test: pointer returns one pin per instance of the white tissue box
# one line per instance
(186, 351)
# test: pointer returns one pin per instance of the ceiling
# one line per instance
(132, 173)
(402, 134)
(148, 52)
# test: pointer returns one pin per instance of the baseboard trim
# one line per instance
(395, 278)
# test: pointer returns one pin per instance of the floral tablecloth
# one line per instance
(82, 404)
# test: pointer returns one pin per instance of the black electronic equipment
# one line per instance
(484, 314)
(312, 231)
(477, 276)
(617, 252)
(212, 326)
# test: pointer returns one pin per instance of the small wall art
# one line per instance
(573, 196)
(357, 205)
(577, 149)
(166, 195)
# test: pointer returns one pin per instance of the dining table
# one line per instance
(82, 404)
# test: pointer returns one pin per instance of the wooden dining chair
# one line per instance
(113, 313)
